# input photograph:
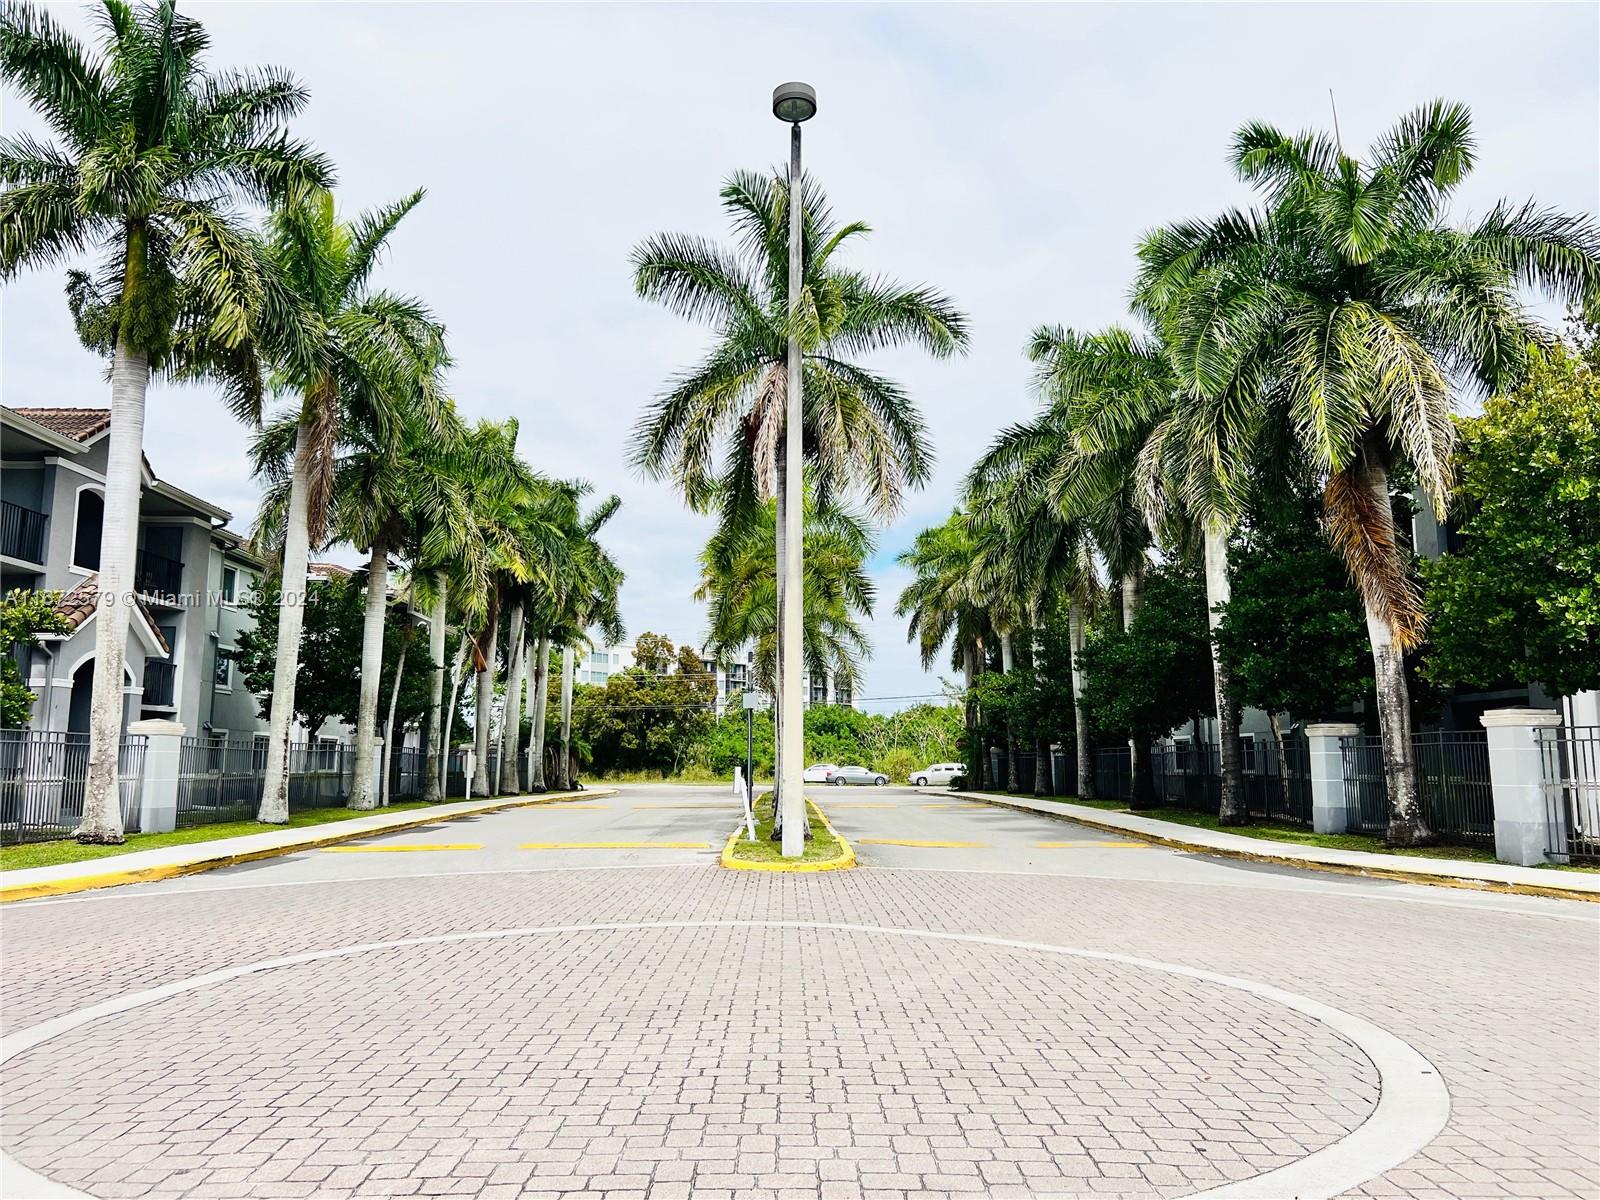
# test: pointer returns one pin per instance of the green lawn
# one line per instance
(49, 854)
(821, 846)
(1283, 831)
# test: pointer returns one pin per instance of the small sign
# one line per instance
(756, 702)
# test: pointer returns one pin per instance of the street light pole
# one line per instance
(794, 103)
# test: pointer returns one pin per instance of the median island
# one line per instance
(825, 849)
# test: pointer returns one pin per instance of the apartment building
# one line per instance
(192, 577)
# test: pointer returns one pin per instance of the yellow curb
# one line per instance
(842, 862)
(86, 883)
(1398, 874)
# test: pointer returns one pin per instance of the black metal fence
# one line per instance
(42, 780)
(1570, 761)
(1113, 774)
(221, 779)
(1452, 773)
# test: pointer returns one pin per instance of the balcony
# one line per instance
(159, 680)
(158, 576)
(22, 533)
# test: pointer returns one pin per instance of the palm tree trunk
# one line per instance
(1043, 784)
(450, 711)
(1080, 720)
(969, 715)
(568, 662)
(433, 771)
(291, 622)
(1008, 658)
(511, 727)
(119, 539)
(364, 788)
(541, 708)
(1218, 592)
(388, 724)
(483, 717)
(1407, 825)
(1142, 793)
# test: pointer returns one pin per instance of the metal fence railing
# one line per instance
(1113, 774)
(1570, 762)
(1452, 773)
(1187, 774)
(42, 779)
(219, 780)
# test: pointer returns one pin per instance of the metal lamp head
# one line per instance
(794, 102)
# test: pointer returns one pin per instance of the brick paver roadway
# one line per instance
(993, 1004)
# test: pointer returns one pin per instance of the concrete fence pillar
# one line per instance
(158, 794)
(1516, 775)
(1332, 799)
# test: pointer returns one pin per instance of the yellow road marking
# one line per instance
(615, 846)
(863, 806)
(1092, 845)
(954, 804)
(924, 845)
(402, 849)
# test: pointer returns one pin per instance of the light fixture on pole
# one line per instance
(794, 103)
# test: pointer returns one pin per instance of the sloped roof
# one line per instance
(78, 605)
(79, 424)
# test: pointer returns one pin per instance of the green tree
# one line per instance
(645, 719)
(1155, 675)
(1336, 319)
(24, 615)
(153, 153)
(328, 658)
(1292, 634)
(1520, 599)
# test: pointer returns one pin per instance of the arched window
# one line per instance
(86, 533)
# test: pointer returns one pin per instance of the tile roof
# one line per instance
(78, 605)
(79, 424)
(329, 570)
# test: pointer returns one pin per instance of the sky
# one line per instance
(1011, 156)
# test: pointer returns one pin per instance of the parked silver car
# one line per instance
(858, 775)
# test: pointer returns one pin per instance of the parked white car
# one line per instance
(937, 773)
(820, 773)
(859, 776)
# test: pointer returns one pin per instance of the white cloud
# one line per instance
(1010, 155)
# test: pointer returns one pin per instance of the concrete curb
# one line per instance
(843, 862)
(1097, 819)
(315, 838)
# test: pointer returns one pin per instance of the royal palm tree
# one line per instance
(365, 358)
(1119, 398)
(738, 580)
(1043, 552)
(153, 152)
(941, 608)
(1346, 312)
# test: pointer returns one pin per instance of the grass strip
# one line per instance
(54, 853)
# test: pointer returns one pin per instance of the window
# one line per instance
(216, 751)
(230, 583)
(1247, 757)
(327, 756)
(223, 671)
(258, 751)
(86, 532)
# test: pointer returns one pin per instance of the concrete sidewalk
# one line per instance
(1446, 872)
(166, 862)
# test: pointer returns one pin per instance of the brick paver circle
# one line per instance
(718, 1058)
